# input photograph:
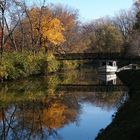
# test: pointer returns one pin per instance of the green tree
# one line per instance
(108, 38)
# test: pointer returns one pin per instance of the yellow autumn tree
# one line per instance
(44, 27)
(39, 28)
(52, 31)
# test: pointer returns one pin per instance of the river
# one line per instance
(71, 105)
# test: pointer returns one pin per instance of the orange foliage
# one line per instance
(44, 25)
(53, 117)
(57, 115)
(52, 31)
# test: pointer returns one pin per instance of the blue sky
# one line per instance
(92, 9)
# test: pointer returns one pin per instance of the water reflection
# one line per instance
(108, 78)
(38, 108)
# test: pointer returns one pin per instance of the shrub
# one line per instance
(53, 64)
(15, 65)
(69, 64)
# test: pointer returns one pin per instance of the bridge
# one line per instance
(91, 88)
(96, 56)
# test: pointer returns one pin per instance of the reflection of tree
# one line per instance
(27, 90)
(58, 115)
(1, 115)
(5, 123)
(105, 99)
(40, 118)
(80, 76)
(34, 109)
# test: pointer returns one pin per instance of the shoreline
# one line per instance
(125, 124)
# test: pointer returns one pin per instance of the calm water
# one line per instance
(72, 105)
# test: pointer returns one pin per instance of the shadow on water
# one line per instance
(126, 124)
(72, 105)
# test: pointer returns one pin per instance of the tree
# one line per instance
(134, 43)
(42, 29)
(2, 23)
(69, 19)
(108, 38)
(52, 31)
(8, 12)
(125, 21)
(102, 36)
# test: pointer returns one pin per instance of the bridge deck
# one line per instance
(95, 56)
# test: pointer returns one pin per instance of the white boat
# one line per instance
(108, 66)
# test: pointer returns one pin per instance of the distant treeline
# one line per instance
(43, 27)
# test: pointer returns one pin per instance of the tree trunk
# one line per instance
(2, 33)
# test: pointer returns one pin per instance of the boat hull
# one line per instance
(130, 78)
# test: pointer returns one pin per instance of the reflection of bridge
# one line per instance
(91, 88)
(96, 56)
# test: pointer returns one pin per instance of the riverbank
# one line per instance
(17, 65)
(126, 123)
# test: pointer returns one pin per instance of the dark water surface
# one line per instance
(73, 105)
